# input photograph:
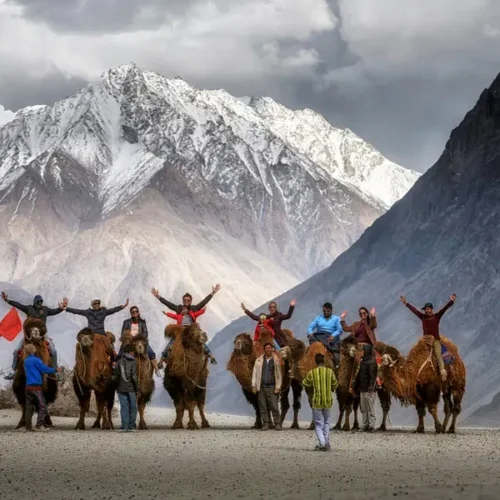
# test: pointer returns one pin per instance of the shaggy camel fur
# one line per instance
(240, 364)
(348, 400)
(302, 361)
(144, 374)
(186, 373)
(35, 333)
(415, 380)
(93, 373)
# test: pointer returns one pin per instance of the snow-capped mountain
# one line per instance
(139, 181)
(440, 238)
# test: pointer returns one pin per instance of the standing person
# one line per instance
(275, 318)
(326, 328)
(323, 381)
(38, 311)
(430, 324)
(127, 387)
(96, 316)
(365, 383)
(266, 383)
(187, 310)
(136, 326)
(34, 368)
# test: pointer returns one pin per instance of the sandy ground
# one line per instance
(230, 461)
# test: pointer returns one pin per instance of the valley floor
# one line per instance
(230, 461)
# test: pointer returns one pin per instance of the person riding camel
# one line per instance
(326, 328)
(275, 318)
(96, 316)
(38, 311)
(364, 332)
(136, 326)
(430, 324)
(265, 324)
(186, 309)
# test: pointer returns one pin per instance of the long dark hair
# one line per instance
(363, 308)
(138, 310)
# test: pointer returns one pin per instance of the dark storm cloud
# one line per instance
(399, 78)
(102, 16)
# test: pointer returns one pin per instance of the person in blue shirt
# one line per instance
(326, 328)
(34, 368)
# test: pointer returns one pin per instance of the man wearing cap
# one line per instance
(430, 323)
(326, 328)
(39, 311)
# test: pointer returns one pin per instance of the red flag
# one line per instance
(11, 325)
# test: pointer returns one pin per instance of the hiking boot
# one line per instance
(444, 375)
(277, 427)
(322, 448)
(327, 447)
(363, 429)
(371, 429)
(9, 376)
(265, 427)
(41, 429)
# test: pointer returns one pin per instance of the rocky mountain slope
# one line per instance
(140, 181)
(442, 237)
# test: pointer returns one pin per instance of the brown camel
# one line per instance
(94, 373)
(35, 333)
(186, 373)
(144, 374)
(415, 380)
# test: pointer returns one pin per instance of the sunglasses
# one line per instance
(135, 311)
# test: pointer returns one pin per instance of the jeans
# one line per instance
(151, 353)
(367, 405)
(268, 401)
(35, 401)
(52, 352)
(164, 353)
(322, 425)
(323, 338)
(128, 410)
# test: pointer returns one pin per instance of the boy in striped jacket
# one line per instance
(323, 382)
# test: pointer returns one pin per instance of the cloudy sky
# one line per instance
(401, 78)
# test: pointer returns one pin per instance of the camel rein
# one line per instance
(189, 378)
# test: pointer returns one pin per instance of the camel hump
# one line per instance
(110, 336)
(173, 331)
(288, 334)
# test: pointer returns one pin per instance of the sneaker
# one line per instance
(132, 430)
(277, 427)
(322, 448)
(363, 429)
(41, 429)
(265, 427)
(371, 429)
(317, 448)
(9, 376)
(327, 447)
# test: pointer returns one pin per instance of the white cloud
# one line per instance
(6, 115)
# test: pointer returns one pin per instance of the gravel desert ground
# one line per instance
(232, 461)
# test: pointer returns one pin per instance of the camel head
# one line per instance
(85, 338)
(349, 346)
(140, 346)
(286, 353)
(173, 331)
(194, 335)
(243, 344)
(34, 331)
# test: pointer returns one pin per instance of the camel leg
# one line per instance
(341, 402)
(385, 402)
(421, 414)
(201, 409)
(22, 421)
(102, 409)
(179, 414)
(355, 425)
(110, 400)
(141, 406)
(448, 408)
(84, 403)
(297, 396)
(457, 394)
(255, 403)
(284, 404)
(433, 410)
(192, 425)
(347, 421)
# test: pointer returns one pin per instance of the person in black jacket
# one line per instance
(188, 319)
(127, 386)
(39, 311)
(136, 326)
(365, 385)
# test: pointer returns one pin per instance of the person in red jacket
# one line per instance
(180, 317)
(265, 323)
(430, 324)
